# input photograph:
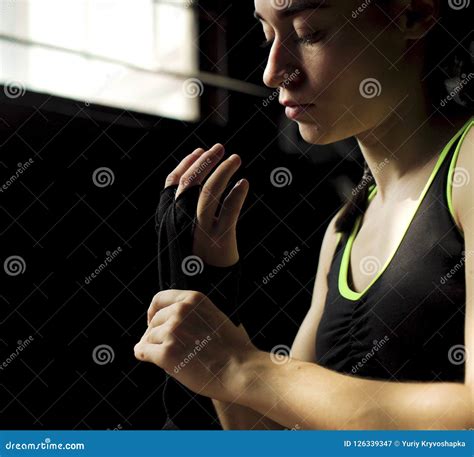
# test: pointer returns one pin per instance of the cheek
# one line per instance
(349, 73)
(348, 60)
(333, 75)
(335, 67)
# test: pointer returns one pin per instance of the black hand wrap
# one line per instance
(178, 268)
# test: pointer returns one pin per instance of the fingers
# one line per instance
(157, 335)
(163, 299)
(161, 316)
(149, 352)
(232, 205)
(214, 188)
(199, 170)
(174, 177)
(168, 297)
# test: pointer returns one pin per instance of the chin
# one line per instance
(313, 133)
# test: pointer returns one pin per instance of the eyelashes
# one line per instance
(266, 44)
(307, 39)
(310, 38)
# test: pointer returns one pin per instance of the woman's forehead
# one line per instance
(287, 8)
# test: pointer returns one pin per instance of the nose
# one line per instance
(281, 67)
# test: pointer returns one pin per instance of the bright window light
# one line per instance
(130, 54)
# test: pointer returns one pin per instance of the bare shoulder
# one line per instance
(463, 180)
(328, 249)
(331, 238)
(304, 347)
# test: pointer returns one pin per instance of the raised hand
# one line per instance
(214, 238)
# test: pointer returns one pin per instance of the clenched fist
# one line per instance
(194, 342)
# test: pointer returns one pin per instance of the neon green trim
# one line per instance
(343, 285)
(452, 165)
(344, 288)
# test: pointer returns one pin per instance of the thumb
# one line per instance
(232, 205)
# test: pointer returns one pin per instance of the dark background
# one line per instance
(62, 225)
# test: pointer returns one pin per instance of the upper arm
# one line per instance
(304, 347)
(463, 203)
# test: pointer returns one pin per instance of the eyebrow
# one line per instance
(296, 8)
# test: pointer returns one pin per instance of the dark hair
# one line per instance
(449, 59)
(448, 74)
(357, 204)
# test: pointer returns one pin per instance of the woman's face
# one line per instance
(351, 66)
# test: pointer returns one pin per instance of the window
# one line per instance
(138, 55)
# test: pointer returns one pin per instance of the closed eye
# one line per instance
(266, 44)
(307, 39)
(310, 38)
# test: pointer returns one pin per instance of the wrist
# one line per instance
(221, 285)
(243, 375)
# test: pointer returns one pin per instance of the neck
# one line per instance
(405, 141)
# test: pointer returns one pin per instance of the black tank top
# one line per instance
(408, 324)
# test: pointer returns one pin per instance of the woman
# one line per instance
(386, 341)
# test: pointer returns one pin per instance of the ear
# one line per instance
(418, 18)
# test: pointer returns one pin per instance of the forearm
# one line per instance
(307, 396)
(233, 416)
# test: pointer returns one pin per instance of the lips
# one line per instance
(293, 111)
(289, 102)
